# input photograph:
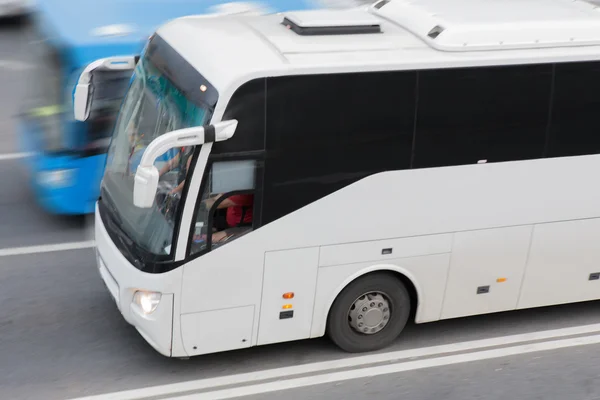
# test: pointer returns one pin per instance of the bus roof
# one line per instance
(389, 34)
(99, 29)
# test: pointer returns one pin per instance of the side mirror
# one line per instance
(146, 175)
(84, 91)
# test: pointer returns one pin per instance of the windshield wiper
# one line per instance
(127, 245)
(114, 214)
(116, 225)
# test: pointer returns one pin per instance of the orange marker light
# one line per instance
(499, 280)
(288, 295)
(287, 306)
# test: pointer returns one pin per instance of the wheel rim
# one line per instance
(369, 313)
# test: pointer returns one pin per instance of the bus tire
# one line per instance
(369, 313)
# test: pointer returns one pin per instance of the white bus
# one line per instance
(404, 160)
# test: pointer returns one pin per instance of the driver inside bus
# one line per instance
(238, 217)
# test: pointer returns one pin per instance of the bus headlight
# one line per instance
(55, 178)
(147, 301)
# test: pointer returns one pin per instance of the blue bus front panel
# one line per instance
(63, 182)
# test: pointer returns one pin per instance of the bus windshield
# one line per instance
(152, 107)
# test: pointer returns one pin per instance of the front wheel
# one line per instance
(369, 313)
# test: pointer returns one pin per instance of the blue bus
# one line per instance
(66, 157)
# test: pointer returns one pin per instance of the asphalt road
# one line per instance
(62, 338)
(553, 375)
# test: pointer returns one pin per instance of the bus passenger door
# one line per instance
(289, 284)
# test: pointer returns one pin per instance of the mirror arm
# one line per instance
(147, 176)
(186, 137)
(183, 137)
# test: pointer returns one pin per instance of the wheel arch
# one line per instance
(402, 274)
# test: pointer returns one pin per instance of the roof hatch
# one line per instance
(328, 22)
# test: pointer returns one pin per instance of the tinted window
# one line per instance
(575, 127)
(471, 114)
(325, 132)
(247, 105)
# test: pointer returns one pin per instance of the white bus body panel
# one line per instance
(452, 230)
(161, 328)
(218, 330)
(562, 256)
(480, 258)
(293, 271)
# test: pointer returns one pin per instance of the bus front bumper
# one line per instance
(122, 281)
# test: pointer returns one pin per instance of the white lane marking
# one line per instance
(389, 369)
(14, 156)
(15, 65)
(46, 248)
(287, 372)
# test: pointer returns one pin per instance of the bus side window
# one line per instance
(574, 125)
(227, 204)
(485, 113)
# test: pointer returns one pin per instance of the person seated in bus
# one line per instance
(238, 217)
